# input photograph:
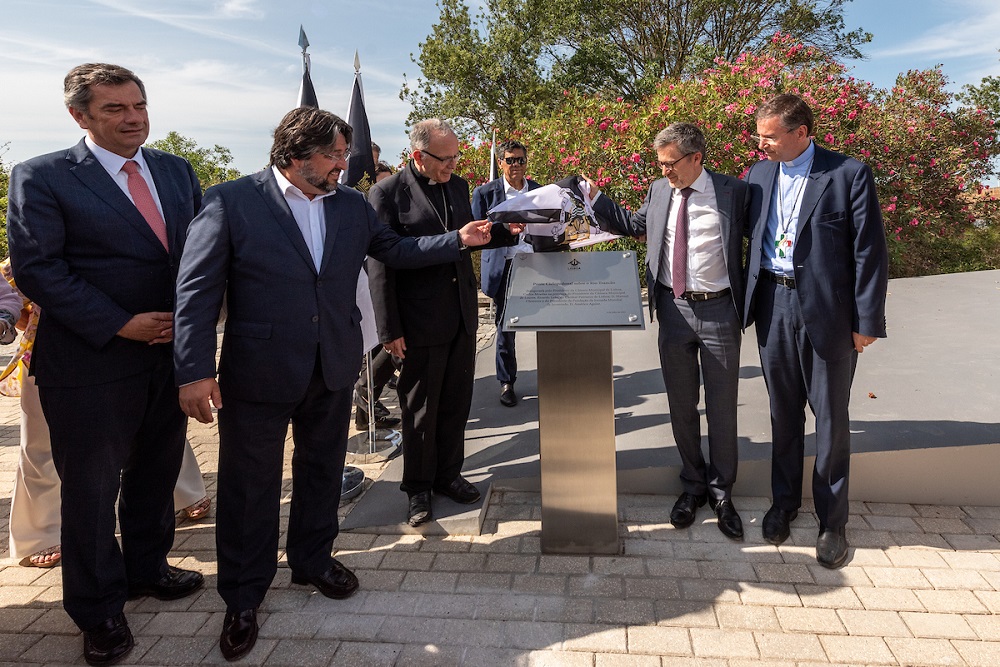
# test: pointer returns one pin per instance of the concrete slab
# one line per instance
(924, 410)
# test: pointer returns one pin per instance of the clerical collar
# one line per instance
(420, 177)
(802, 159)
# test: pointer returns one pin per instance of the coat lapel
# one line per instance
(267, 186)
(819, 179)
(724, 202)
(96, 178)
(331, 206)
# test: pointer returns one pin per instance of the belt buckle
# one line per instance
(697, 296)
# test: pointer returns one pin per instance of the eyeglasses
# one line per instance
(336, 156)
(669, 166)
(769, 140)
(515, 160)
(451, 158)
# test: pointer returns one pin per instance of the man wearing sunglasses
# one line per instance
(428, 318)
(495, 268)
(693, 221)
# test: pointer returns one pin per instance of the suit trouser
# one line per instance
(435, 397)
(383, 368)
(251, 448)
(795, 375)
(506, 356)
(701, 339)
(35, 501)
(124, 436)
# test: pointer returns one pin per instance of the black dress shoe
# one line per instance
(420, 508)
(831, 548)
(176, 583)
(682, 515)
(729, 519)
(239, 634)
(109, 642)
(507, 395)
(775, 525)
(361, 419)
(338, 582)
(460, 490)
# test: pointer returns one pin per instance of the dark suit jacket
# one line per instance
(733, 198)
(281, 311)
(83, 252)
(840, 258)
(426, 306)
(485, 197)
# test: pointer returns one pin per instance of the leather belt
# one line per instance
(784, 281)
(702, 296)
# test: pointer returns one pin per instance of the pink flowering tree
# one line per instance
(929, 156)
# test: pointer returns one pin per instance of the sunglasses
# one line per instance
(515, 160)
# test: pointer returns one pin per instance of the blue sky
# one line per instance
(225, 71)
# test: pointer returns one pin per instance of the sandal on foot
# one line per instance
(45, 558)
(199, 510)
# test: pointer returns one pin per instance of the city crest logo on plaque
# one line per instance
(574, 264)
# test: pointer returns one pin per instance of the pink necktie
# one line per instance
(143, 200)
(679, 262)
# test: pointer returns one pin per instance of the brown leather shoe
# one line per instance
(239, 634)
(337, 583)
(108, 642)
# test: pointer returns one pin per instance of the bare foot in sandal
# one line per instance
(44, 558)
(199, 510)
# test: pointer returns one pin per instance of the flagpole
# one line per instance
(493, 156)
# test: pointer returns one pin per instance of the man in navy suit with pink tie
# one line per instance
(96, 233)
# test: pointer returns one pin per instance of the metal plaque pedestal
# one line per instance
(576, 424)
(573, 301)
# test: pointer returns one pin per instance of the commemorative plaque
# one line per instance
(573, 291)
(574, 301)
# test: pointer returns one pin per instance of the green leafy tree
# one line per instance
(211, 165)
(513, 60)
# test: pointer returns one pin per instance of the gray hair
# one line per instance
(77, 85)
(688, 137)
(422, 133)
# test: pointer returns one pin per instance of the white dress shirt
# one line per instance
(706, 265)
(309, 215)
(113, 163)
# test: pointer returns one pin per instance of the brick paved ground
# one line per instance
(922, 588)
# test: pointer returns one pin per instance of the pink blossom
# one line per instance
(636, 158)
(603, 125)
(590, 121)
(828, 138)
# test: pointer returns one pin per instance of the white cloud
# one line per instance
(974, 34)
